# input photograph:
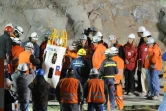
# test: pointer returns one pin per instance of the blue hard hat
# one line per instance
(164, 57)
(39, 72)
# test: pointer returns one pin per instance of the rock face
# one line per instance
(119, 17)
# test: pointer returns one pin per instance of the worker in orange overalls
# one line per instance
(28, 57)
(16, 50)
(118, 78)
(69, 92)
(98, 56)
(95, 91)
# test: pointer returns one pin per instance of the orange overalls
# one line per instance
(118, 85)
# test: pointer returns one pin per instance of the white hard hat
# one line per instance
(9, 24)
(22, 67)
(12, 38)
(29, 45)
(83, 37)
(146, 33)
(131, 36)
(8, 82)
(150, 40)
(17, 40)
(141, 29)
(99, 34)
(94, 71)
(112, 37)
(96, 39)
(114, 50)
(19, 30)
(34, 36)
(111, 51)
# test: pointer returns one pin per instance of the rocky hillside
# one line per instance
(119, 17)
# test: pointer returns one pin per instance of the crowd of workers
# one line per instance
(93, 71)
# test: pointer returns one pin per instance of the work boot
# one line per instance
(131, 94)
(155, 98)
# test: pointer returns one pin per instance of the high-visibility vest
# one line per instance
(69, 90)
(96, 91)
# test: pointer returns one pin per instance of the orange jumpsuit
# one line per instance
(118, 79)
(98, 56)
(16, 50)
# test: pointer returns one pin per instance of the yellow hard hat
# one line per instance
(81, 52)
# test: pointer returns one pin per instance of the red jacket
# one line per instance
(142, 53)
(131, 56)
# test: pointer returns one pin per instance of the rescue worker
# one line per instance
(10, 97)
(114, 43)
(69, 92)
(76, 45)
(130, 64)
(140, 41)
(33, 39)
(28, 57)
(40, 91)
(43, 46)
(142, 52)
(98, 56)
(163, 105)
(118, 78)
(153, 63)
(95, 91)
(108, 71)
(80, 67)
(101, 35)
(22, 80)
(16, 50)
(6, 44)
(89, 49)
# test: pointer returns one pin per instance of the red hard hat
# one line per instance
(9, 29)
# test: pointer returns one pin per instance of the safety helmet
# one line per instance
(146, 33)
(39, 72)
(81, 52)
(18, 31)
(96, 39)
(75, 43)
(8, 82)
(83, 37)
(9, 29)
(131, 36)
(93, 29)
(150, 40)
(34, 36)
(94, 71)
(99, 34)
(22, 67)
(10, 24)
(29, 45)
(112, 37)
(16, 40)
(141, 29)
(111, 51)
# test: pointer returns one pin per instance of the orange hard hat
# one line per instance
(9, 29)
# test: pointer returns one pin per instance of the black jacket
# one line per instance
(5, 45)
(40, 90)
(108, 68)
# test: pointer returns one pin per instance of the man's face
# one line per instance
(139, 34)
(145, 39)
(83, 42)
(112, 42)
(150, 45)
